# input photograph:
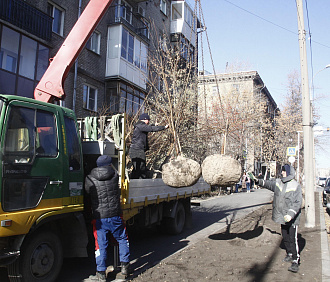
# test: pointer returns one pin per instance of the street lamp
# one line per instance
(326, 67)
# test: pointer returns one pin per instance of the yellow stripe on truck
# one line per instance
(23, 220)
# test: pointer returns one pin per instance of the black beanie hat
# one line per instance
(286, 168)
(103, 160)
(144, 116)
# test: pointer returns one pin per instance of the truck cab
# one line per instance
(41, 179)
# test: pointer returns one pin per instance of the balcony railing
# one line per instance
(27, 18)
(132, 20)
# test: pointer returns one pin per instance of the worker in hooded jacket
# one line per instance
(286, 211)
(102, 187)
(139, 145)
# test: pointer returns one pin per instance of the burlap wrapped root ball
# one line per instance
(181, 172)
(221, 170)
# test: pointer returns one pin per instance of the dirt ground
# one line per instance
(249, 249)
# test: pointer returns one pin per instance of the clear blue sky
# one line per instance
(264, 35)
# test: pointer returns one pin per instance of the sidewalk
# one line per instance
(249, 249)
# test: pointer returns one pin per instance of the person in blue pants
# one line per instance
(102, 187)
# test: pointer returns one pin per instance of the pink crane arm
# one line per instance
(50, 86)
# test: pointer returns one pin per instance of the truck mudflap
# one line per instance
(8, 257)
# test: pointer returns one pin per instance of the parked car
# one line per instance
(326, 192)
(321, 181)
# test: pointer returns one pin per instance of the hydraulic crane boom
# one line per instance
(50, 86)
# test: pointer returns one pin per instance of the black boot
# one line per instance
(99, 276)
(288, 258)
(125, 268)
(294, 267)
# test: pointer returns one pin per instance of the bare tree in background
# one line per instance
(283, 133)
(229, 117)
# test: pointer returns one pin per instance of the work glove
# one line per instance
(287, 218)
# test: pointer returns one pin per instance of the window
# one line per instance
(144, 57)
(27, 64)
(177, 11)
(163, 6)
(184, 47)
(128, 100)
(93, 43)
(162, 42)
(72, 144)
(214, 91)
(235, 88)
(58, 17)
(9, 49)
(21, 141)
(114, 42)
(137, 53)
(90, 98)
(46, 142)
(123, 11)
(134, 50)
(32, 58)
(127, 45)
(42, 63)
(114, 100)
(189, 18)
(145, 29)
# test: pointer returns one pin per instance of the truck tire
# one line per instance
(175, 225)
(40, 260)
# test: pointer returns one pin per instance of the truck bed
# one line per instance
(141, 190)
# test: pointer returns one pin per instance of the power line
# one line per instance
(275, 24)
(310, 47)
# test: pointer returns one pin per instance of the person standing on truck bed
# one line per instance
(102, 186)
(139, 145)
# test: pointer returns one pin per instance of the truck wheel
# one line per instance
(175, 225)
(40, 259)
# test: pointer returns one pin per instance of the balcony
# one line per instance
(183, 21)
(121, 14)
(27, 18)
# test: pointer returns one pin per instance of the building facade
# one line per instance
(111, 73)
(245, 101)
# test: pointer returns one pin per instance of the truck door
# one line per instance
(73, 193)
(32, 160)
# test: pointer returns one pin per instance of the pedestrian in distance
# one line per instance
(246, 182)
(102, 187)
(237, 185)
(286, 211)
(139, 145)
(243, 181)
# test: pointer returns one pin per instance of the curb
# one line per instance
(325, 256)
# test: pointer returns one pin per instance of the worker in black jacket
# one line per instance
(102, 187)
(139, 145)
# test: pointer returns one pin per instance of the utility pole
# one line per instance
(307, 124)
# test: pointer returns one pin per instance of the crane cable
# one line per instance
(211, 58)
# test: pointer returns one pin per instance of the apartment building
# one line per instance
(239, 92)
(111, 73)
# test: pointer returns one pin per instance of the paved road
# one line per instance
(150, 246)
